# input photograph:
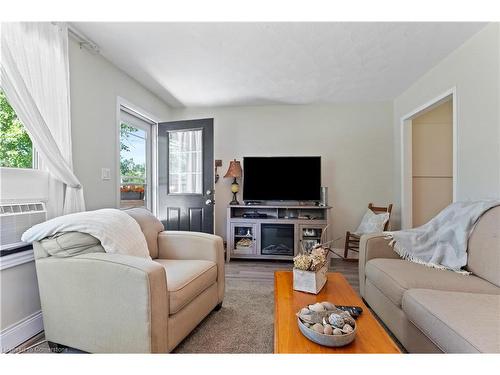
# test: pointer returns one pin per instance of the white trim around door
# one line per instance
(152, 164)
(406, 152)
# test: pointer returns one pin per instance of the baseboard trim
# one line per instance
(14, 335)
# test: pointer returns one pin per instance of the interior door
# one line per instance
(186, 175)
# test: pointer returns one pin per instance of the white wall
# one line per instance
(474, 70)
(95, 86)
(354, 141)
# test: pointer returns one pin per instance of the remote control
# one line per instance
(355, 311)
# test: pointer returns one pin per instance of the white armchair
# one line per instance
(112, 303)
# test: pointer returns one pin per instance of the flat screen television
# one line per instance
(282, 178)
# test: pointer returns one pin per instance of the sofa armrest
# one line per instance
(374, 245)
(194, 246)
(104, 303)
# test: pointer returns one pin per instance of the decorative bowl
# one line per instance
(325, 324)
(326, 340)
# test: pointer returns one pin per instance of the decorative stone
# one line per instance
(328, 305)
(305, 311)
(345, 314)
(336, 320)
(328, 329)
(318, 328)
(317, 307)
(350, 320)
(307, 325)
(347, 328)
(337, 331)
(306, 318)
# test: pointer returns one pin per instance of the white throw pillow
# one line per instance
(372, 223)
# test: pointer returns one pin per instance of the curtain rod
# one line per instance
(82, 40)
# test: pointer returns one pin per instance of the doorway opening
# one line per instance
(429, 163)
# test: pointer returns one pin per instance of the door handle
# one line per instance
(210, 202)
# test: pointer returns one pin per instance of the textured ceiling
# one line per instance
(216, 64)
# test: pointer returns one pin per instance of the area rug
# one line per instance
(244, 324)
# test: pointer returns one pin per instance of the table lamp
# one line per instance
(234, 171)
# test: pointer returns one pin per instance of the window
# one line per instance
(135, 160)
(16, 149)
(185, 165)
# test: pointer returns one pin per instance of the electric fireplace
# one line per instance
(277, 239)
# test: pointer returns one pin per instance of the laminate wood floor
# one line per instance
(264, 270)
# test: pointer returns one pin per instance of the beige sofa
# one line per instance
(431, 310)
(111, 303)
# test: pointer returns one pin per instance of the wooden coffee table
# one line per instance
(370, 336)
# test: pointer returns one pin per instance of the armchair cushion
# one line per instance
(186, 279)
(150, 226)
(183, 245)
(67, 244)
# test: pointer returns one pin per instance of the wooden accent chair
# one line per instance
(352, 239)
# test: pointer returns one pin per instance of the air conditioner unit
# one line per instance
(15, 219)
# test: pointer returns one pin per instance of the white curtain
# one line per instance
(35, 79)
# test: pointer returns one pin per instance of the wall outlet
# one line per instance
(105, 174)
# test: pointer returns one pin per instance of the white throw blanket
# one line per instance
(442, 242)
(118, 232)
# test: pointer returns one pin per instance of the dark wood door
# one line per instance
(186, 175)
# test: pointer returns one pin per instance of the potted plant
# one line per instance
(131, 192)
(140, 190)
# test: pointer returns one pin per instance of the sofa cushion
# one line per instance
(456, 322)
(393, 277)
(186, 279)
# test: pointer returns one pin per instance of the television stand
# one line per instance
(277, 232)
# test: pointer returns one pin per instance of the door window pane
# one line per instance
(185, 174)
(133, 156)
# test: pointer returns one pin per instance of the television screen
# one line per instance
(296, 178)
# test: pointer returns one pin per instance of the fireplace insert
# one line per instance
(277, 239)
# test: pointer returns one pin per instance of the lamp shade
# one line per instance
(234, 170)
